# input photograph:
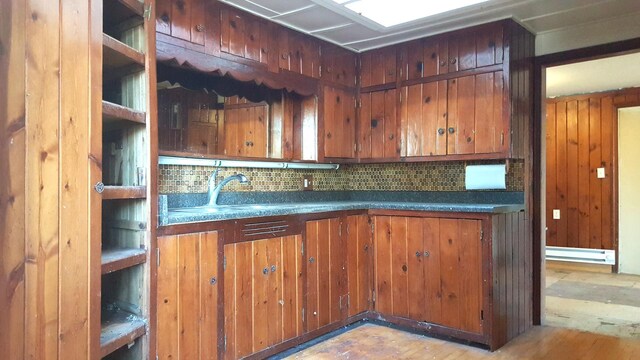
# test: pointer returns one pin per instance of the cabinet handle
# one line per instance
(418, 254)
(451, 130)
(426, 253)
(99, 187)
(199, 28)
(441, 131)
(312, 260)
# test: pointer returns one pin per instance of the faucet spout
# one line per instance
(213, 194)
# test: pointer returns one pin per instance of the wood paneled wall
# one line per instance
(581, 137)
(46, 102)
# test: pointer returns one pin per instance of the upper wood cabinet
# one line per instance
(460, 116)
(182, 19)
(339, 113)
(378, 126)
(378, 67)
(338, 65)
(298, 53)
(458, 51)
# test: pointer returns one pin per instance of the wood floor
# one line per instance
(603, 303)
(372, 342)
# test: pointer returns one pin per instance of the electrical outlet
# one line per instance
(556, 214)
(307, 182)
(601, 174)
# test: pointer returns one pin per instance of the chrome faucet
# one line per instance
(214, 190)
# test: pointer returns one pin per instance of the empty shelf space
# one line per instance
(118, 329)
(124, 192)
(113, 112)
(117, 12)
(118, 259)
(117, 54)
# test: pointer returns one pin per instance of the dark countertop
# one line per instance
(193, 210)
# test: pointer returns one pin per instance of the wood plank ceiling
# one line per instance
(330, 21)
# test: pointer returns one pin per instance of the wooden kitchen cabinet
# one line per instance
(246, 129)
(377, 126)
(430, 270)
(339, 113)
(187, 296)
(359, 243)
(338, 65)
(378, 67)
(460, 116)
(182, 19)
(326, 286)
(263, 292)
(461, 50)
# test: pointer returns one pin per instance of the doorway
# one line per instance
(628, 192)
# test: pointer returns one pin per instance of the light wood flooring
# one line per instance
(602, 303)
(373, 342)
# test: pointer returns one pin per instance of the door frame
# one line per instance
(541, 63)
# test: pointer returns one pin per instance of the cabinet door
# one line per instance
(378, 127)
(378, 66)
(339, 123)
(475, 48)
(460, 257)
(425, 57)
(187, 299)
(262, 294)
(359, 264)
(326, 273)
(476, 123)
(182, 19)
(423, 119)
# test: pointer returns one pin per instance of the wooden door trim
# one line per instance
(539, 96)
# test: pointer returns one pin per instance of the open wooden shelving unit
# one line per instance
(128, 87)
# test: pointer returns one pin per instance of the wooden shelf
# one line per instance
(118, 259)
(117, 54)
(119, 328)
(113, 112)
(124, 192)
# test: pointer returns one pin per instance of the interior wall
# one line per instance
(580, 138)
(629, 203)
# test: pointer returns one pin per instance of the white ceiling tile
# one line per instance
(251, 7)
(283, 6)
(583, 15)
(314, 18)
(350, 33)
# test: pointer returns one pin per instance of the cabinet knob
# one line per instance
(312, 260)
(451, 130)
(199, 28)
(443, 62)
(391, 136)
(418, 254)
(426, 253)
(265, 271)
(273, 268)
(213, 281)
(453, 61)
(99, 187)
(441, 131)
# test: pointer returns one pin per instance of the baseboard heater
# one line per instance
(589, 256)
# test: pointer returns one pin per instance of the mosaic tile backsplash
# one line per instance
(436, 176)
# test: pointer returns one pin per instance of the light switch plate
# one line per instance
(556, 214)
(601, 174)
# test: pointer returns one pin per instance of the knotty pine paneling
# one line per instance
(581, 137)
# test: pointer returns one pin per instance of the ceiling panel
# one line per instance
(280, 6)
(251, 7)
(583, 15)
(313, 18)
(347, 34)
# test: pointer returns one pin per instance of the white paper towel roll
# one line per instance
(485, 177)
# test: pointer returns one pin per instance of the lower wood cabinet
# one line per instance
(429, 270)
(359, 264)
(187, 297)
(326, 286)
(262, 294)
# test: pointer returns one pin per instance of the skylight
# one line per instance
(390, 13)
